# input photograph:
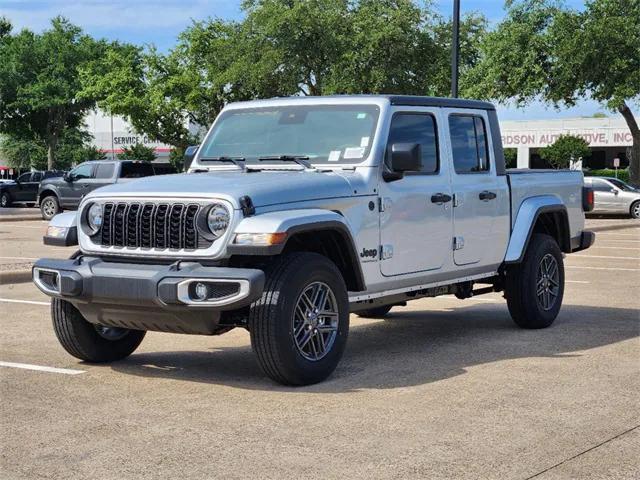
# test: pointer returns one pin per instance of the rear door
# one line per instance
(415, 221)
(20, 191)
(479, 195)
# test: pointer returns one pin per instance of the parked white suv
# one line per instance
(296, 212)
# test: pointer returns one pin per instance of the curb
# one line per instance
(16, 276)
(8, 218)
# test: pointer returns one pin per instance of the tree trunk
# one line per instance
(634, 160)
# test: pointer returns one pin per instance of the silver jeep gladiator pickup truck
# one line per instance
(296, 212)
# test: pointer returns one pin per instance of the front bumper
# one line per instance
(149, 297)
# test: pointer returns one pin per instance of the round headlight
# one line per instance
(94, 217)
(218, 219)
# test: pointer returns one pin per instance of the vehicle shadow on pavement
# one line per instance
(408, 348)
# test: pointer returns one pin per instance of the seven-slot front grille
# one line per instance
(151, 225)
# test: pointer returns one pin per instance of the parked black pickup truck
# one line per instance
(24, 189)
(66, 193)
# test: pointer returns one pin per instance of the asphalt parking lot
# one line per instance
(442, 389)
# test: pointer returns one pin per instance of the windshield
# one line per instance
(621, 185)
(331, 134)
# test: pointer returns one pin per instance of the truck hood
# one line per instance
(264, 187)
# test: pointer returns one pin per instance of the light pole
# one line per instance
(455, 48)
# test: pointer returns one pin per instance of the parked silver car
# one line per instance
(614, 196)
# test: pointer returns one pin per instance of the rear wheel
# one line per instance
(635, 210)
(377, 312)
(5, 200)
(49, 207)
(299, 326)
(534, 288)
(89, 342)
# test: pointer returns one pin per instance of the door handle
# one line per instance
(440, 198)
(487, 195)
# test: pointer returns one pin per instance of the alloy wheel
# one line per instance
(547, 282)
(315, 321)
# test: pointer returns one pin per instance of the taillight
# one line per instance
(587, 199)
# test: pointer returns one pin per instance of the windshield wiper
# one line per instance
(299, 159)
(235, 160)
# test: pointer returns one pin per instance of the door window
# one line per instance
(37, 176)
(416, 128)
(25, 177)
(104, 170)
(469, 143)
(84, 170)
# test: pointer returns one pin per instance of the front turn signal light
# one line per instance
(260, 239)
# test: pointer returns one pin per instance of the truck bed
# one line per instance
(564, 184)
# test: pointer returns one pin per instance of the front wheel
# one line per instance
(89, 342)
(299, 326)
(635, 210)
(534, 288)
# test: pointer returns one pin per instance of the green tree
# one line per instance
(511, 157)
(138, 151)
(544, 51)
(39, 82)
(565, 149)
(280, 48)
(25, 152)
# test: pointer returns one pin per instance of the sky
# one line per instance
(159, 22)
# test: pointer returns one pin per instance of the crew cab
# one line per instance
(66, 192)
(296, 212)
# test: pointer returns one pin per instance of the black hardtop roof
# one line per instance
(418, 101)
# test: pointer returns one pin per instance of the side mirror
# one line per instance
(404, 157)
(189, 154)
(614, 191)
(68, 177)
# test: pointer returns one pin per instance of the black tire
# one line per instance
(271, 319)
(5, 200)
(377, 312)
(526, 280)
(634, 211)
(49, 207)
(82, 340)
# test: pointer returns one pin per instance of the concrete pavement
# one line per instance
(442, 389)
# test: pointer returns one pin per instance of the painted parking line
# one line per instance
(18, 258)
(28, 302)
(40, 368)
(582, 255)
(39, 227)
(635, 249)
(576, 281)
(603, 268)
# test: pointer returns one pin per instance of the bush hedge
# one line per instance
(623, 173)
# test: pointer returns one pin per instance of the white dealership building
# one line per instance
(608, 138)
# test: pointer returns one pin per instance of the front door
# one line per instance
(604, 195)
(80, 185)
(478, 192)
(416, 216)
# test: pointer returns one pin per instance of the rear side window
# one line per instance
(136, 170)
(469, 143)
(36, 177)
(104, 170)
(416, 128)
(600, 185)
